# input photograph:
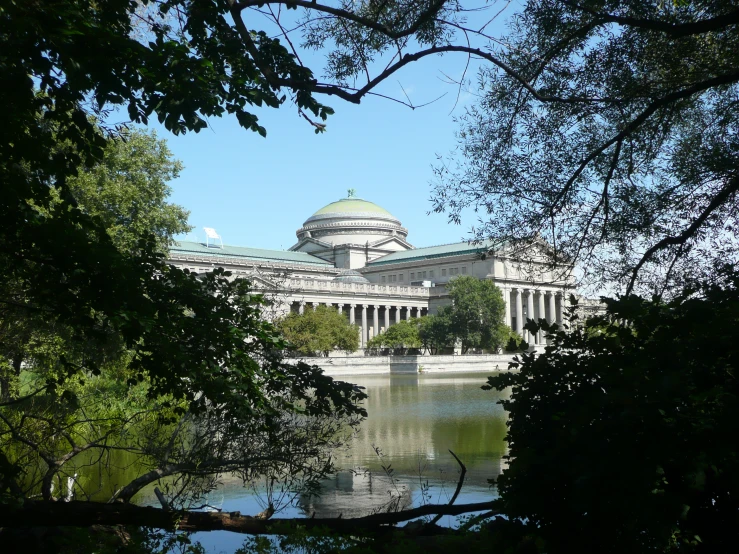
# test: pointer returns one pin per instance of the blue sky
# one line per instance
(258, 191)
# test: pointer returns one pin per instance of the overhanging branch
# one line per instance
(716, 23)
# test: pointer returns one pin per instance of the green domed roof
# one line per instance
(351, 208)
(351, 276)
(353, 205)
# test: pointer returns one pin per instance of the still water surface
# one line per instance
(414, 420)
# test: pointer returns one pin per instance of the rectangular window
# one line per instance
(464, 270)
(424, 274)
(400, 277)
(413, 276)
(383, 278)
(443, 272)
(431, 274)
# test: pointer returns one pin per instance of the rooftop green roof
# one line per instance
(431, 252)
(257, 254)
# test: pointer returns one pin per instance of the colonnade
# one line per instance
(524, 303)
(372, 319)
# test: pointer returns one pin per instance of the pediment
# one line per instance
(260, 281)
(310, 245)
(391, 244)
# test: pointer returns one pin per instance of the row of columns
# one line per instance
(363, 312)
(523, 304)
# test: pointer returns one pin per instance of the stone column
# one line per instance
(301, 308)
(542, 314)
(507, 300)
(552, 308)
(351, 313)
(560, 307)
(315, 305)
(408, 313)
(341, 308)
(530, 313)
(376, 320)
(387, 317)
(397, 314)
(364, 324)
(519, 311)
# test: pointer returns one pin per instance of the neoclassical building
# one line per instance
(354, 255)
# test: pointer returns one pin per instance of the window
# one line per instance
(394, 277)
(424, 274)
(431, 274)
(464, 270)
(383, 278)
(413, 276)
(443, 272)
(400, 277)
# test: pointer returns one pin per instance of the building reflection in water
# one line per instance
(414, 420)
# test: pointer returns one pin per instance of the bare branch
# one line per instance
(717, 201)
(637, 121)
(423, 17)
(460, 482)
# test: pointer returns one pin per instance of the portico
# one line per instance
(373, 308)
(524, 302)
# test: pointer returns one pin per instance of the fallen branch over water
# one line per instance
(39, 513)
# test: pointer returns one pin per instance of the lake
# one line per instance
(413, 422)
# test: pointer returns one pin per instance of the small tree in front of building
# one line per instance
(436, 332)
(404, 334)
(476, 314)
(319, 331)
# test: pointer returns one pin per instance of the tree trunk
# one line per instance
(34, 513)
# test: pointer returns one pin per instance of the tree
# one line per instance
(609, 129)
(404, 334)
(476, 313)
(435, 332)
(79, 395)
(621, 436)
(127, 190)
(319, 331)
(65, 443)
(127, 193)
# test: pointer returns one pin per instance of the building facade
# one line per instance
(354, 255)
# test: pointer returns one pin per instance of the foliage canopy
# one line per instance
(476, 313)
(319, 331)
(404, 334)
(117, 390)
(608, 128)
(622, 440)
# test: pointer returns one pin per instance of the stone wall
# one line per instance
(368, 365)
